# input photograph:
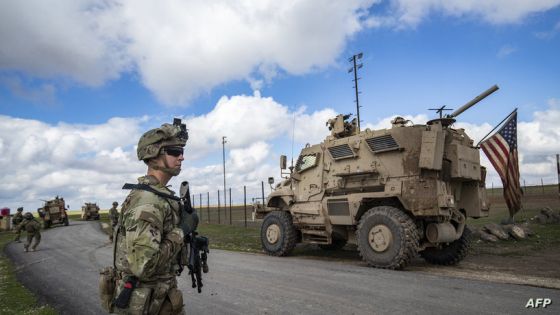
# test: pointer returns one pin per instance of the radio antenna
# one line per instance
(293, 136)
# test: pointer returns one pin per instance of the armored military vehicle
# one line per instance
(392, 192)
(90, 211)
(53, 212)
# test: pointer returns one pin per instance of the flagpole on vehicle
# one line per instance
(498, 125)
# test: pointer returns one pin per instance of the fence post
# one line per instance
(208, 208)
(542, 185)
(245, 204)
(262, 190)
(230, 206)
(218, 206)
(200, 204)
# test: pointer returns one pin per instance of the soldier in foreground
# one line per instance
(149, 238)
(33, 228)
(16, 220)
(114, 218)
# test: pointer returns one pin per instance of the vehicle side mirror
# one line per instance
(271, 180)
(283, 162)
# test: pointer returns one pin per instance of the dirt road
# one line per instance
(64, 273)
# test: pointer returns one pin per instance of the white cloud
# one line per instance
(180, 49)
(410, 13)
(64, 40)
(186, 48)
(91, 162)
(39, 160)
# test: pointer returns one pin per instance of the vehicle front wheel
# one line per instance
(278, 234)
(65, 221)
(47, 224)
(387, 238)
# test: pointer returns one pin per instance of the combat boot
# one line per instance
(26, 249)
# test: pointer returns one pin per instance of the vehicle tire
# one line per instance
(65, 221)
(278, 234)
(337, 243)
(47, 224)
(450, 253)
(387, 238)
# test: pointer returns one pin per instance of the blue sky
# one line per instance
(79, 83)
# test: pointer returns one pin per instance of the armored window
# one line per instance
(342, 151)
(306, 161)
(382, 143)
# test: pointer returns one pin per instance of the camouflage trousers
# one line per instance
(30, 237)
(18, 235)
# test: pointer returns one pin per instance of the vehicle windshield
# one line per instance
(306, 161)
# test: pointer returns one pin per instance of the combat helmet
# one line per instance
(28, 216)
(153, 140)
(115, 203)
(20, 209)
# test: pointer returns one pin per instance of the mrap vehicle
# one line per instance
(392, 192)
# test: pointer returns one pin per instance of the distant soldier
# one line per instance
(16, 220)
(33, 228)
(114, 218)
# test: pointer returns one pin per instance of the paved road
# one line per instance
(64, 273)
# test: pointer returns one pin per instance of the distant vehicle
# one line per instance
(90, 211)
(392, 192)
(53, 212)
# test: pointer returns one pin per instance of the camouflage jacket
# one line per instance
(142, 247)
(17, 218)
(114, 215)
(30, 226)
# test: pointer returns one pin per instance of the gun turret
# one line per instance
(475, 100)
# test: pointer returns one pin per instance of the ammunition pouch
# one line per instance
(158, 297)
(139, 301)
(107, 282)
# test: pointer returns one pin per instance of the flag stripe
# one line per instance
(501, 150)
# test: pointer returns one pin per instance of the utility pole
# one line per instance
(558, 170)
(224, 160)
(355, 68)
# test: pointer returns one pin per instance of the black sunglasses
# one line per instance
(173, 151)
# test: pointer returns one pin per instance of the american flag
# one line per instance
(501, 150)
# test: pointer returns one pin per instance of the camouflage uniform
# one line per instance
(33, 228)
(16, 220)
(114, 218)
(149, 238)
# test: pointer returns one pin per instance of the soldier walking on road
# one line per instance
(114, 218)
(149, 238)
(33, 228)
(16, 220)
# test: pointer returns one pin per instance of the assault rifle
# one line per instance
(197, 259)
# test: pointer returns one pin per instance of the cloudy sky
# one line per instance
(81, 80)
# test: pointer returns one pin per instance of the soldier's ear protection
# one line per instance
(183, 134)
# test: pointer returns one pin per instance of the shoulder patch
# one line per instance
(149, 216)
